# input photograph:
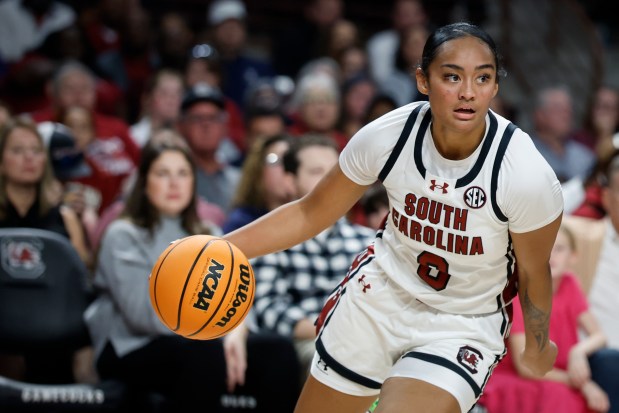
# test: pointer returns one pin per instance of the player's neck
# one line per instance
(454, 145)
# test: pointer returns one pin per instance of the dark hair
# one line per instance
(379, 98)
(291, 157)
(250, 190)
(455, 31)
(138, 207)
(374, 198)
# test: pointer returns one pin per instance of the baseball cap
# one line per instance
(222, 10)
(202, 92)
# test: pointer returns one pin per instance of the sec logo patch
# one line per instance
(475, 197)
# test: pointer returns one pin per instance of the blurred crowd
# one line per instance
(124, 129)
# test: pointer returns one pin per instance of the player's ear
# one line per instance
(422, 81)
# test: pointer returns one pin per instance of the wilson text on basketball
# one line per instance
(241, 295)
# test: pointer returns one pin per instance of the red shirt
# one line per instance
(112, 156)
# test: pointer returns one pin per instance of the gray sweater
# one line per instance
(122, 314)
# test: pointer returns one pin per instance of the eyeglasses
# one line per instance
(272, 159)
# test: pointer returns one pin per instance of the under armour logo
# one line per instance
(366, 286)
(322, 364)
(442, 187)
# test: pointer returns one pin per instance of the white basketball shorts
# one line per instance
(370, 329)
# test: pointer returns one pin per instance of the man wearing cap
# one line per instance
(203, 124)
(226, 19)
(110, 151)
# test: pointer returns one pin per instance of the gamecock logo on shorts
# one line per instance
(469, 358)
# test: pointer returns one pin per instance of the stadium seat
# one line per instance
(44, 291)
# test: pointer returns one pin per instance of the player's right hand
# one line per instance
(538, 363)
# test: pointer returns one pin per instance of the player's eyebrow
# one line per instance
(457, 67)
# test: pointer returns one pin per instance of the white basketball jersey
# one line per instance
(446, 238)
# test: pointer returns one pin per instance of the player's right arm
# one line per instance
(299, 220)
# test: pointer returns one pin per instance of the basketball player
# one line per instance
(422, 314)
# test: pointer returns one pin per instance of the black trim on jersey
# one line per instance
(512, 283)
(497, 359)
(483, 154)
(494, 183)
(434, 359)
(419, 141)
(397, 149)
(344, 371)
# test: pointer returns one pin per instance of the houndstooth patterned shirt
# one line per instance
(294, 284)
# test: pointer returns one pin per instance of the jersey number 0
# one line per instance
(434, 270)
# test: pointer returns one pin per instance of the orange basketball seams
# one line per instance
(202, 287)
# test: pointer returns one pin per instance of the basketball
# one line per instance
(202, 287)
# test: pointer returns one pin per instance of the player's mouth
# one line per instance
(465, 113)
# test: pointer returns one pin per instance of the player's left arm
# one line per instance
(532, 251)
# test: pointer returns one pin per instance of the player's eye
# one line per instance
(451, 77)
(485, 78)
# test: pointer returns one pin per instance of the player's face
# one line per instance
(461, 82)
(24, 157)
(314, 163)
(561, 255)
(170, 182)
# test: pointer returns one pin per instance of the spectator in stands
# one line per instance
(601, 122)
(204, 66)
(263, 185)
(293, 285)
(102, 21)
(30, 198)
(25, 24)
(572, 385)
(5, 113)
(161, 104)
(210, 214)
(203, 125)
(379, 105)
(343, 34)
(307, 39)
(129, 66)
(553, 123)
(606, 281)
(229, 35)
(131, 343)
(375, 204)
(264, 113)
(29, 193)
(111, 153)
(357, 93)
(591, 205)
(353, 61)
(382, 47)
(401, 83)
(315, 107)
(174, 40)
